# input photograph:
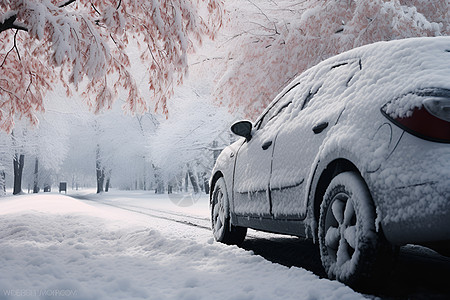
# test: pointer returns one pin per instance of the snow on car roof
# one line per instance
(389, 69)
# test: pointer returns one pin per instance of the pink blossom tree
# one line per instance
(273, 41)
(85, 43)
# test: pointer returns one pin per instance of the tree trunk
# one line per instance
(18, 162)
(107, 184)
(36, 178)
(2, 183)
(100, 180)
(108, 180)
(194, 180)
(206, 183)
(100, 171)
(159, 181)
(160, 187)
(200, 182)
(186, 182)
(145, 175)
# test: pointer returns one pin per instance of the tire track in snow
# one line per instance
(169, 216)
(165, 212)
(154, 213)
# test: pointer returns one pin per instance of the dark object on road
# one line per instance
(47, 188)
(63, 187)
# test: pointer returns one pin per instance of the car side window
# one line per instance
(334, 79)
(312, 92)
(279, 106)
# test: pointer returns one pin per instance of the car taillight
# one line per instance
(431, 121)
(438, 107)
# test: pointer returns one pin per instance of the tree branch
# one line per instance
(9, 24)
(65, 3)
(31, 82)
(13, 48)
(15, 44)
(95, 9)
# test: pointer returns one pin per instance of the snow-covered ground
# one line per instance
(135, 245)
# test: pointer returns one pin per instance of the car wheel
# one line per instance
(223, 230)
(351, 249)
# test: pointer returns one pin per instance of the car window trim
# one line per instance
(261, 119)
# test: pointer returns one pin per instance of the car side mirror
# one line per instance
(243, 128)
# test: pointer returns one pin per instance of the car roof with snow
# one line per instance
(371, 75)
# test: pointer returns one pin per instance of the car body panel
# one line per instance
(412, 190)
(252, 179)
(224, 167)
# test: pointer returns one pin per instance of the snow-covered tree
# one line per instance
(34, 150)
(182, 147)
(108, 147)
(121, 144)
(43, 42)
(183, 144)
(270, 42)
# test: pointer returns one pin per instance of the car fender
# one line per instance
(350, 156)
(224, 167)
(347, 160)
(342, 153)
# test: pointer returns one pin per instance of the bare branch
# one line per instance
(153, 57)
(10, 93)
(31, 82)
(15, 44)
(112, 38)
(14, 47)
(260, 10)
(207, 59)
(6, 56)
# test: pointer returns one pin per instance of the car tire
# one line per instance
(351, 249)
(223, 230)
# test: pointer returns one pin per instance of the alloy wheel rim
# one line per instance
(341, 229)
(218, 215)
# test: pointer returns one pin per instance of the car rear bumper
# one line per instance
(424, 217)
(412, 192)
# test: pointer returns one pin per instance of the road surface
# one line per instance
(418, 273)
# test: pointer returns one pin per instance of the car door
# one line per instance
(254, 164)
(299, 140)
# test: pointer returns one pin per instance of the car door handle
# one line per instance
(320, 127)
(266, 145)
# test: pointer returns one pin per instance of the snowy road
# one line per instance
(136, 245)
(417, 274)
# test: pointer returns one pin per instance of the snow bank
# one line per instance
(56, 247)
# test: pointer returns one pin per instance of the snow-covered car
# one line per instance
(354, 153)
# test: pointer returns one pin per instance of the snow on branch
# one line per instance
(65, 3)
(8, 21)
(85, 44)
(282, 39)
